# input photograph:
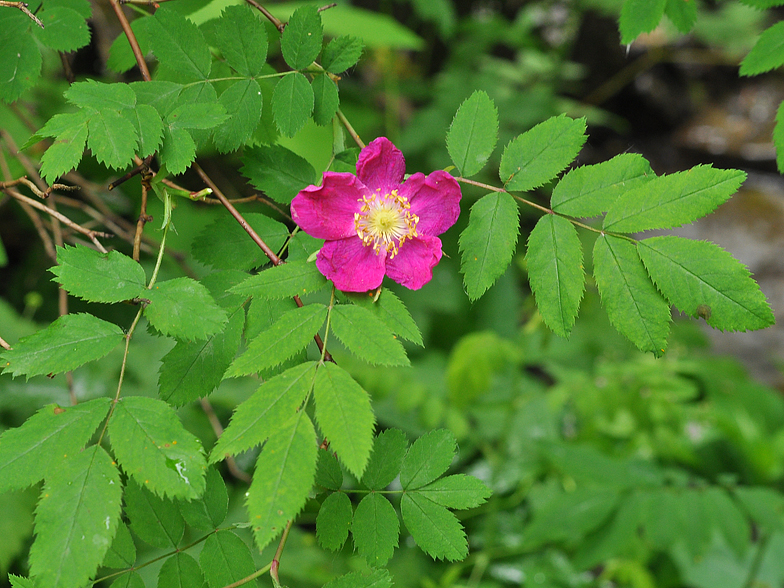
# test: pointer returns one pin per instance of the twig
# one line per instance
(351, 130)
(328, 6)
(137, 52)
(278, 24)
(42, 194)
(276, 559)
(23, 7)
(4, 345)
(67, 70)
(140, 167)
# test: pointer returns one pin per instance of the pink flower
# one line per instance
(375, 224)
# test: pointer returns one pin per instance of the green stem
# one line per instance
(160, 257)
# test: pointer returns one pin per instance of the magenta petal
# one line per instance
(413, 266)
(435, 199)
(352, 266)
(381, 166)
(327, 211)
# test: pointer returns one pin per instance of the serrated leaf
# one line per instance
(70, 341)
(458, 491)
(574, 514)
(767, 53)
(219, 284)
(436, 530)
(235, 249)
(20, 66)
(341, 53)
(159, 94)
(283, 281)
(778, 137)
(473, 133)
(290, 334)
(112, 138)
(128, 580)
(284, 476)
(536, 156)
(392, 312)
(179, 45)
(301, 39)
(76, 519)
(243, 102)
(225, 559)
(328, 472)
(209, 510)
(272, 405)
(292, 103)
(344, 416)
(326, 99)
(555, 270)
(148, 126)
(121, 57)
(180, 571)
(66, 152)
(31, 451)
(98, 277)
(174, 303)
(670, 201)
(202, 115)
(100, 96)
(682, 13)
(122, 552)
(592, 189)
(333, 521)
(488, 242)
(153, 447)
(389, 449)
(762, 4)
(64, 29)
(241, 38)
(427, 458)
(367, 336)
(277, 171)
(192, 370)
(20, 582)
(177, 150)
(375, 529)
(703, 280)
(379, 578)
(640, 16)
(156, 521)
(633, 304)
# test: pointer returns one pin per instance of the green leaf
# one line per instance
(570, 516)
(272, 405)
(328, 472)
(392, 312)
(703, 280)
(19, 67)
(148, 127)
(128, 580)
(333, 520)
(225, 559)
(767, 53)
(283, 281)
(290, 333)
(241, 38)
(192, 370)
(156, 521)
(301, 39)
(122, 552)
(64, 29)
(344, 416)
(20, 582)
(367, 336)
(682, 13)
(375, 529)
(243, 102)
(112, 138)
(154, 448)
(284, 476)
(473, 133)
(100, 96)
(209, 510)
(341, 53)
(555, 270)
(31, 451)
(161, 95)
(121, 58)
(778, 137)
(262, 314)
(277, 171)
(70, 341)
(670, 201)
(436, 530)
(379, 578)
(76, 519)
(174, 303)
(536, 156)
(98, 277)
(177, 151)
(640, 16)
(389, 449)
(66, 152)
(427, 458)
(488, 242)
(219, 284)
(179, 46)
(632, 302)
(458, 492)
(326, 99)
(764, 505)
(592, 189)
(180, 571)
(202, 115)
(292, 103)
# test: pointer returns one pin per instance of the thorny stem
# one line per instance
(137, 52)
(23, 7)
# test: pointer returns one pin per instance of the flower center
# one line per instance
(385, 221)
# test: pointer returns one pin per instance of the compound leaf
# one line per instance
(148, 126)
(292, 103)
(64, 29)
(234, 249)
(391, 310)
(378, 578)
(121, 57)
(488, 242)
(98, 277)
(179, 46)
(99, 96)
(209, 510)
(154, 448)
(202, 115)
(122, 552)
(243, 102)
(682, 13)
(128, 580)
(767, 53)
(112, 138)
(341, 53)
(277, 171)
(473, 133)
(640, 16)
(20, 65)
(427, 458)
(555, 270)
(328, 472)
(389, 449)
(174, 303)
(701, 279)
(70, 341)
(367, 336)
(225, 559)
(180, 571)
(458, 491)
(301, 39)
(375, 529)
(436, 530)
(156, 521)
(177, 151)
(283, 281)
(326, 99)
(241, 38)
(333, 520)
(66, 152)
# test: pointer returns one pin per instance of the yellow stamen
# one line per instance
(385, 221)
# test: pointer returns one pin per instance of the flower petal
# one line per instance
(435, 199)
(351, 265)
(381, 166)
(327, 211)
(413, 266)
